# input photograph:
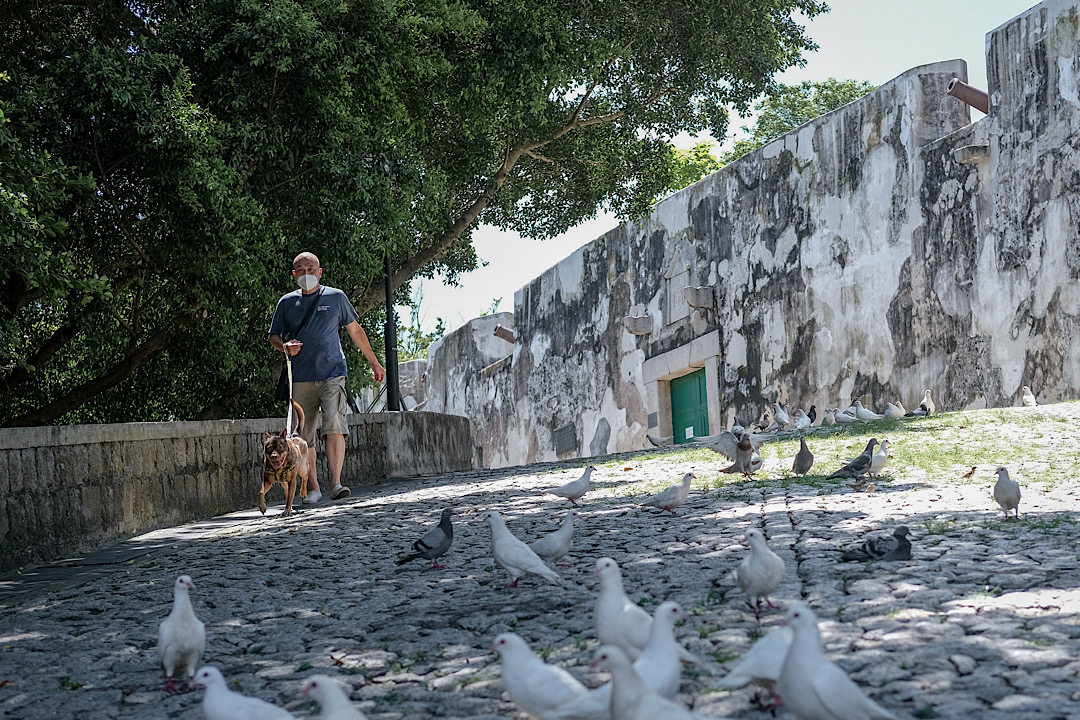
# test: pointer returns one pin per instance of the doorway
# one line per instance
(689, 406)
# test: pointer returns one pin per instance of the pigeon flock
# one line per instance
(638, 649)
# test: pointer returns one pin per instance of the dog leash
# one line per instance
(288, 368)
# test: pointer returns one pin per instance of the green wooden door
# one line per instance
(689, 406)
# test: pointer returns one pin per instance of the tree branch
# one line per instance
(45, 353)
(375, 293)
(134, 360)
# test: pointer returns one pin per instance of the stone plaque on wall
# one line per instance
(565, 440)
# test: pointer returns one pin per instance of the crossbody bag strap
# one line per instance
(288, 360)
(307, 315)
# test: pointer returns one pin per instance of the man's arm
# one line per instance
(360, 339)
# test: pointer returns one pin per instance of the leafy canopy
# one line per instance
(161, 163)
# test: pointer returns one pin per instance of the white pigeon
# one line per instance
(843, 417)
(574, 489)
(535, 686)
(802, 420)
(658, 666)
(334, 704)
(554, 546)
(221, 703)
(780, 415)
(813, 688)
(761, 663)
(181, 636)
(672, 496)
(828, 417)
(1029, 397)
(618, 620)
(631, 698)
(865, 414)
(879, 458)
(760, 572)
(893, 412)
(926, 407)
(514, 556)
(1007, 492)
(900, 407)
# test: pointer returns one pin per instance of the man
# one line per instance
(318, 364)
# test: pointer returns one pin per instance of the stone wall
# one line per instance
(66, 489)
(885, 248)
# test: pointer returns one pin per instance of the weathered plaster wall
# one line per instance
(885, 248)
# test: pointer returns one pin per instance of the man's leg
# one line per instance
(335, 456)
(335, 427)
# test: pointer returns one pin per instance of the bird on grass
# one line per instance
(860, 465)
(926, 407)
(879, 458)
(804, 459)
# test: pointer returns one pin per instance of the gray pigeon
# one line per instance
(435, 542)
(860, 465)
(891, 547)
(804, 459)
(1007, 492)
(660, 441)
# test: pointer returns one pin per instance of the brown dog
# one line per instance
(285, 459)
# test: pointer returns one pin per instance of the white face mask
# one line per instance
(307, 283)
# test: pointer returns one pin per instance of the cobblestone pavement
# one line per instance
(984, 622)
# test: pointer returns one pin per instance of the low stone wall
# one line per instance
(66, 489)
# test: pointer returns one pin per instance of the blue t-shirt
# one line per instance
(321, 357)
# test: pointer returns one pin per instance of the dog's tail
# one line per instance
(298, 412)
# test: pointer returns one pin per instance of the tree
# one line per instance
(413, 342)
(162, 163)
(789, 106)
(693, 164)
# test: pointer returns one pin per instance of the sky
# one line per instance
(873, 40)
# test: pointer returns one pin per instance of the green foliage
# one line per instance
(693, 164)
(161, 163)
(789, 106)
(413, 342)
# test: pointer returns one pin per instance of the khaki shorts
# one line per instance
(329, 397)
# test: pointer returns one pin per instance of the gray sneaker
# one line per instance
(340, 492)
(313, 497)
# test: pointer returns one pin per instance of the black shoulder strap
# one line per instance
(307, 315)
